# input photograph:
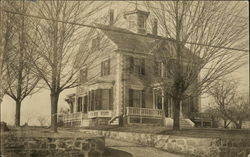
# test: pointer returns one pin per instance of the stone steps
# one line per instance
(185, 124)
(115, 122)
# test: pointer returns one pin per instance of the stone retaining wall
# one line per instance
(195, 147)
(53, 146)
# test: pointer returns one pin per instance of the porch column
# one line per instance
(163, 107)
(118, 102)
(75, 105)
(181, 114)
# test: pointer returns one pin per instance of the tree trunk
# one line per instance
(176, 115)
(54, 102)
(18, 113)
(225, 123)
(239, 125)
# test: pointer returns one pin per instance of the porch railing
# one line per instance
(100, 113)
(147, 112)
(71, 117)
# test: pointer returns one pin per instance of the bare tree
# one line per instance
(42, 120)
(60, 59)
(201, 39)
(216, 116)
(20, 76)
(230, 105)
(6, 36)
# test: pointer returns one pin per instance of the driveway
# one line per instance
(136, 150)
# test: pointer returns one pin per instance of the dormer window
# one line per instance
(141, 22)
(95, 44)
(131, 24)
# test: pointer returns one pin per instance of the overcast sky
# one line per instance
(39, 104)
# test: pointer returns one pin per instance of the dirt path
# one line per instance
(137, 150)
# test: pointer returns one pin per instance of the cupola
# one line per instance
(137, 20)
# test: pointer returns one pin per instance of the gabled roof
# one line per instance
(127, 40)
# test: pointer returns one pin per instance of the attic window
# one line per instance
(141, 23)
(96, 44)
(131, 24)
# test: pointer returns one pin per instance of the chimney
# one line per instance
(155, 27)
(111, 17)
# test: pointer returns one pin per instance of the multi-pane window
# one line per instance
(85, 104)
(105, 99)
(83, 75)
(79, 104)
(158, 99)
(101, 99)
(136, 98)
(136, 65)
(158, 69)
(105, 67)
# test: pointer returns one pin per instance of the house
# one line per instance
(120, 83)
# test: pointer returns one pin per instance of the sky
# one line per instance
(39, 103)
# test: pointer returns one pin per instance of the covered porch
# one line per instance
(81, 119)
(143, 115)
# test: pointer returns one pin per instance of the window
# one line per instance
(136, 98)
(131, 24)
(83, 75)
(158, 99)
(105, 67)
(79, 104)
(85, 104)
(105, 99)
(101, 99)
(96, 44)
(141, 22)
(158, 68)
(137, 65)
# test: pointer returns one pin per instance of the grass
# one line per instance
(41, 132)
(150, 129)
(131, 128)
(192, 132)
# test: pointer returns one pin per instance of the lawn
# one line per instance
(192, 132)
(150, 129)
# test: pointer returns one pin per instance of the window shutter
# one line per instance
(102, 68)
(97, 98)
(131, 61)
(100, 99)
(89, 101)
(143, 99)
(130, 97)
(86, 74)
(111, 99)
(143, 67)
(80, 76)
(155, 68)
(94, 100)
(98, 43)
(108, 66)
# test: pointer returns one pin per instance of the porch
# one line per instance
(143, 115)
(83, 119)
